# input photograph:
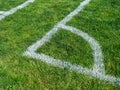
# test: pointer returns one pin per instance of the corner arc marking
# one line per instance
(98, 70)
(97, 53)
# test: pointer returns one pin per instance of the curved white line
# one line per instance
(98, 66)
(98, 70)
(97, 52)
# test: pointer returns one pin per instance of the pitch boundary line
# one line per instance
(3, 14)
(98, 70)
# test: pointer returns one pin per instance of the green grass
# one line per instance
(69, 47)
(8, 4)
(100, 19)
(102, 23)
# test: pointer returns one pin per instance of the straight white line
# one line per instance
(71, 67)
(97, 71)
(1, 12)
(98, 66)
(46, 38)
(35, 46)
(75, 12)
(13, 10)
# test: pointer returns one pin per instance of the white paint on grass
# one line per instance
(3, 14)
(98, 69)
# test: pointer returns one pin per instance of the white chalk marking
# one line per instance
(3, 14)
(98, 69)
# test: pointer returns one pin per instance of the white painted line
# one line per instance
(71, 67)
(13, 10)
(98, 69)
(97, 52)
(75, 12)
(1, 12)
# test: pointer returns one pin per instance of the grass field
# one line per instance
(8, 4)
(100, 19)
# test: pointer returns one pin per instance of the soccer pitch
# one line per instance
(60, 45)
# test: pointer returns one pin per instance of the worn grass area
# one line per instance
(100, 19)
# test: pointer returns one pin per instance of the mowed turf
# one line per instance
(100, 19)
(8, 4)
